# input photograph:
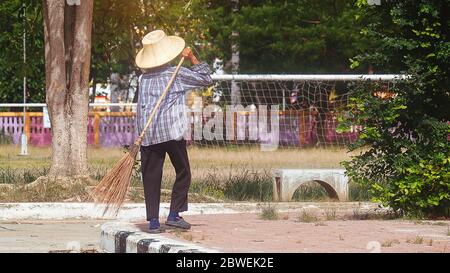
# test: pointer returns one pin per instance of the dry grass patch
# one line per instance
(418, 240)
(269, 213)
(330, 214)
(183, 234)
(307, 217)
(390, 243)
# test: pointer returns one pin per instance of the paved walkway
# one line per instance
(249, 233)
(229, 228)
(45, 236)
(244, 233)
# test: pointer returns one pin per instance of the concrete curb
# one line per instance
(62, 211)
(123, 237)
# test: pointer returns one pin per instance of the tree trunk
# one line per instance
(67, 31)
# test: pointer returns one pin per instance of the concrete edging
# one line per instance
(123, 237)
(62, 211)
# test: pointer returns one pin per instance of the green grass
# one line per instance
(21, 176)
(51, 193)
(310, 191)
(359, 193)
(239, 186)
(235, 174)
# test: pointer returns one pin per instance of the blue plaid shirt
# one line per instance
(170, 122)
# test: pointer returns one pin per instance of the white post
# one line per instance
(24, 142)
(235, 59)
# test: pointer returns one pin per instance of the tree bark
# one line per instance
(67, 31)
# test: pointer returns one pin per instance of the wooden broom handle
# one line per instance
(158, 103)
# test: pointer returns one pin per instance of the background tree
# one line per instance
(67, 32)
(119, 27)
(12, 68)
(406, 155)
(302, 36)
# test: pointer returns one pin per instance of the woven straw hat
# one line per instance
(158, 49)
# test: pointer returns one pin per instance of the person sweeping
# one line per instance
(166, 131)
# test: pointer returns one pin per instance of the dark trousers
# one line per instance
(152, 162)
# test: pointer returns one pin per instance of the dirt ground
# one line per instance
(249, 233)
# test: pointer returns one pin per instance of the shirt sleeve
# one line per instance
(197, 76)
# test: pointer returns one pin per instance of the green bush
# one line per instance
(405, 150)
(424, 188)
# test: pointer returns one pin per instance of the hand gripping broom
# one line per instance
(113, 187)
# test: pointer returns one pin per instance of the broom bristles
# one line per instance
(113, 188)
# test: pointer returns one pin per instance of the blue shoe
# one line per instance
(177, 221)
(154, 226)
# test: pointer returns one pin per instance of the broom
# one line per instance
(113, 187)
